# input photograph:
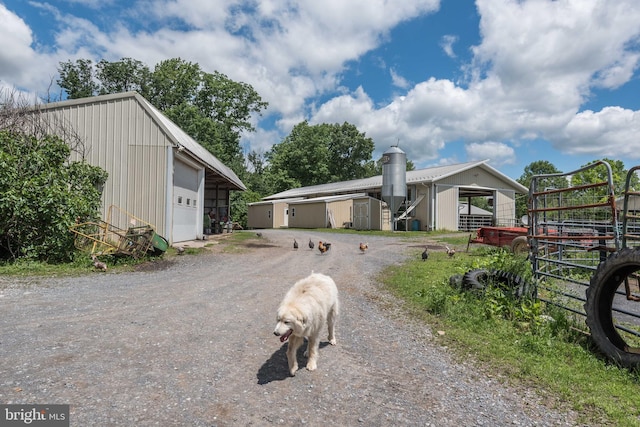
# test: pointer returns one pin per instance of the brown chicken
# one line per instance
(364, 247)
(323, 246)
(98, 265)
(450, 252)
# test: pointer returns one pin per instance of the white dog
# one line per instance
(303, 312)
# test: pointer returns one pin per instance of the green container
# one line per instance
(159, 243)
(415, 225)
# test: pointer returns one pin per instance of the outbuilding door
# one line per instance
(186, 183)
(361, 215)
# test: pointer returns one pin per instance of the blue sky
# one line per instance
(511, 81)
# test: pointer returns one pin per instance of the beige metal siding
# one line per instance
(342, 212)
(260, 216)
(446, 208)
(308, 215)
(121, 138)
(375, 214)
(474, 177)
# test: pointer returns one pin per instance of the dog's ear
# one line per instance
(302, 319)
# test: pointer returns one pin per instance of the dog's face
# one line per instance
(287, 324)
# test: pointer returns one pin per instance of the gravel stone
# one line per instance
(189, 342)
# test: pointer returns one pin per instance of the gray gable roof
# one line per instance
(428, 175)
(179, 137)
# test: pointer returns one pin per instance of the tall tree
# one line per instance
(600, 174)
(538, 167)
(210, 107)
(317, 154)
(349, 152)
(174, 83)
(124, 75)
(301, 159)
(77, 78)
(542, 167)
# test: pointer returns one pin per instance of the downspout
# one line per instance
(433, 206)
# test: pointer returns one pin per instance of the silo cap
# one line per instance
(394, 150)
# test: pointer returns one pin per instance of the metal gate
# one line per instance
(586, 256)
(572, 229)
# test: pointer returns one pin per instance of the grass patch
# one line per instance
(82, 264)
(527, 343)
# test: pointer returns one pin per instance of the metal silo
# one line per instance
(394, 179)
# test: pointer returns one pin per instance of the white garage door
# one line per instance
(185, 202)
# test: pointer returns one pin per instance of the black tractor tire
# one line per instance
(455, 281)
(520, 245)
(609, 275)
(520, 287)
(478, 279)
(475, 279)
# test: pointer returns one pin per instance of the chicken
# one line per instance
(180, 250)
(259, 234)
(98, 265)
(323, 246)
(450, 252)
(295, 244)
(364, 247)
(425, 254)
(311, 245)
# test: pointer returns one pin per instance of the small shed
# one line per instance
(343, 211)
(269, 213)
(370, 213)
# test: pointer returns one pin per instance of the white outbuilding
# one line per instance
(438, 198)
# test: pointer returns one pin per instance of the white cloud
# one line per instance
(498, 153)
(446, 43)
(16, 40)
(536, 64)
(611, 130)
(397, 80)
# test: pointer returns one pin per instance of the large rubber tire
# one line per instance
(609, 275)
(479, 279)
(520, 245)
(520, 287)
(475, 279)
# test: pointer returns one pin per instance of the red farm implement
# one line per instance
(514, 238)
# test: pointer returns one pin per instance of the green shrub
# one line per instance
(42, 194)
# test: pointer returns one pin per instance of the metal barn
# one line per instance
(157, 172)
(434, 197)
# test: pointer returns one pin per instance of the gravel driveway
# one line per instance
(192, 345)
